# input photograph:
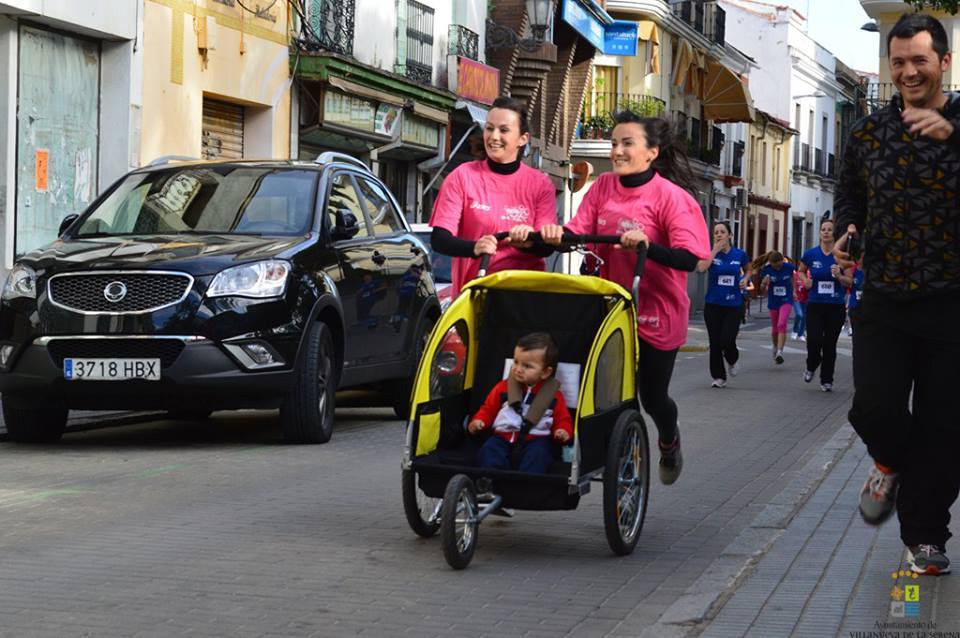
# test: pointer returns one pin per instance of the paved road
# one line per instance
(164, 528)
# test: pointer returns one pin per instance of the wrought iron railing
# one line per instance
(596, 117)
(691, 12)
(879, 94)
(463, 42)
(419, 61)
(330, 25)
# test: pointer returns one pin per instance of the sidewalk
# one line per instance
(826, 573)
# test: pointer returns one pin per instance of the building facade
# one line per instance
(219, 80)
(70, 108)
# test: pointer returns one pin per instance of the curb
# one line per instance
(720, 580)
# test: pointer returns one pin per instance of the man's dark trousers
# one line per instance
(921, 444)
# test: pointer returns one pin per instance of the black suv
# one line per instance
(196, 286)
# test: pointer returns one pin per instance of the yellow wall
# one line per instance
(250, 66)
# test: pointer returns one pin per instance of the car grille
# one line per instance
(167, 350)
(145, 292)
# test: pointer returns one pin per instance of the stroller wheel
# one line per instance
(459, 526)
(423, 512)
(626, 479)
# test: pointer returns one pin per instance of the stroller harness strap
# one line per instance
(538, 407)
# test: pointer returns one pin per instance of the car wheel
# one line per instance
(34, 425)
(307, 413)
(400, 390)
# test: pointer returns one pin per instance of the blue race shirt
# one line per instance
(780, 290)
(723, 287)
(825, 288)
(856, 290)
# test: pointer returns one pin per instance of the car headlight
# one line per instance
(260, 280)
(21, 282)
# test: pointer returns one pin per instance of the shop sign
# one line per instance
(417, 130)
(387, 120)
(348, 110)
(474, 81)
(583, 22)
(620, 38)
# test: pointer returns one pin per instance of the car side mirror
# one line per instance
(346, 225)
(66, 223)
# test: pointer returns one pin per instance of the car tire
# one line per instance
(306, 415)
(34, 425)
(399, 390)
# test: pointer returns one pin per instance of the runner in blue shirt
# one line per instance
(777, 280)
(855, 278)
(825, 307)
(727, 268)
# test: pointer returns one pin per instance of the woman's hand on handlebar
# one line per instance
(486, 245)
(518, 235)
(633, 238)
(552, 234)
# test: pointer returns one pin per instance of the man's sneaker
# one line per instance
(671, 461)
(807, 376)
(718, 383)
(778, 357)
(928, 559)
(826, 387)
(733, 369)
(878, 498)
(803, 337)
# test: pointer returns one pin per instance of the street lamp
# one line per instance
(871, 27)
(538, 14)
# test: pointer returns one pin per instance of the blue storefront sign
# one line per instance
(620, 38)
(612, 37)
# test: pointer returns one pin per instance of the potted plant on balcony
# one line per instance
(643, 108)
(597, 127)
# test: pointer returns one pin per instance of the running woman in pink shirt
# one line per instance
(641, 201)
(498, 194)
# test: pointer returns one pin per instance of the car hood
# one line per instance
(194, 254)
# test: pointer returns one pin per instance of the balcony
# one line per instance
(694, 134)
(801, 158)
(717, 27)
(818, 164)
(330, 26)
(596, 118)
(463, 42)
(880, 94)
(691, 12)
(832, 166)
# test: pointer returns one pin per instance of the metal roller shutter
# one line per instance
(222, 130)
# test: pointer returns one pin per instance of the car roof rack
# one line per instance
(165, 159)
(333, 156)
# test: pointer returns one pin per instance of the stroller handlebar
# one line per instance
(573, 239)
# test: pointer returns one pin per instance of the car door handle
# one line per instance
(378, 258)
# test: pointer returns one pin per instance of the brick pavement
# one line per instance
(170, 528)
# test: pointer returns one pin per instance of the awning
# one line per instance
(430, 113)
(725, 97)
(477, 113)
(682, 62)
(647, 31)
(364, 91)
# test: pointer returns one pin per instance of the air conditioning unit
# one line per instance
(741, 198)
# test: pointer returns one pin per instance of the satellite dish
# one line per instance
(581, 173)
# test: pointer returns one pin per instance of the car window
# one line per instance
(343, 195)
(222, 199)
(382, 214)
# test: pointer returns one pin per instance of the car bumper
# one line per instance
(203, 373)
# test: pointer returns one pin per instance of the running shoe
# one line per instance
(803, 337)
(928, 559)
(878, 498)
(778, 357)
(671, 461)
(733, 369)
(807, 376)
(719, 383)
(826, 387)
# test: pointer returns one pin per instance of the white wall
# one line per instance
(99, 18)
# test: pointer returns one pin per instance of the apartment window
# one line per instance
(331, 25)
(823, 134)
(810, 129)
(763, 165)
(419, 42)
(738, 148)
(776, 168)
(606, 82)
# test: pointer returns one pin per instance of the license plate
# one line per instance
(111, 369)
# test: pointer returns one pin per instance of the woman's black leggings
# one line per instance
(824, 323)
(723, 326)
(653, 381)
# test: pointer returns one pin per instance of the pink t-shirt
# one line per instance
(670, 217)
(474, 201)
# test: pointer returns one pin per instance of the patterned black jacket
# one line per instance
(902, 192)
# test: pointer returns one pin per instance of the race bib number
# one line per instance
(859, 295)
(779, 291)
(726, 280)
(825, 287)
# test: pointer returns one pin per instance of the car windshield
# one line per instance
(440, 264)
(207, 200)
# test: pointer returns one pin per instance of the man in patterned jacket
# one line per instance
(899, 195)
